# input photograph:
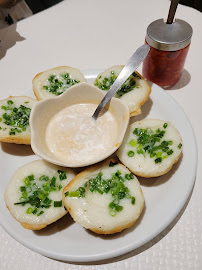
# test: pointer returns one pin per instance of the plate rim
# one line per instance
(128, 248)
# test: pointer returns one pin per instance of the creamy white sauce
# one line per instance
(73, 136)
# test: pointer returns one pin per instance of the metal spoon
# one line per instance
(132, 64)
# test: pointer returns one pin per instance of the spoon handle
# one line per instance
(132, 64)
(172, 10)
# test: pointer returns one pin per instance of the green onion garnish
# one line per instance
(115, 186)
(57, 203)
(66, 193)
(40, 213)
(131, 153)
(29, 210)
(179, 145)
(62, 175)
(151, 142)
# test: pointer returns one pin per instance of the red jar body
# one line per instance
(164, 67)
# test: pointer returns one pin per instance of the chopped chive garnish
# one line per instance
(151, 142)
(36, 190)
(119, 208)
(62, 175)
(129, 176)
(29, 210)
(179, 145)
(43, 178)
(106, 82)
(165, 125)
(57, 203)
(40, 213)
(34, 211)
(170, 152)
(53, 182)
(58, 84)
(158, 160)
(27, 181)
(112, 213)
(133, 200)
(133, 143)
(159, 154)
(140, 151)
(31, 177)
(66, 193)
(22, 188)
(131, 153)
(74, 194)
(15, 117)
(22, 203)
(10, 102)
(114, 186)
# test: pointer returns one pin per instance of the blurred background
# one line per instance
(12, 11)
(39, 5)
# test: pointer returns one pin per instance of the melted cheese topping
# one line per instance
(72, 135)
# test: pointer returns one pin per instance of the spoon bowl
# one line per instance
(132, 64)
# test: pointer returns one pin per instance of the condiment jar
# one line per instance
(169, 45)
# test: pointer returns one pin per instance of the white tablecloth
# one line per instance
(96, 35)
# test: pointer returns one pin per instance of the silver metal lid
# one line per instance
(169, 37)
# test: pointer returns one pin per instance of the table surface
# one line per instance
(96, 35)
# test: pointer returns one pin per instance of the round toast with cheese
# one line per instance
(34, 194)
(54, 82)
(105, 198)
(150, 147)
(133, 93)
(14, 119)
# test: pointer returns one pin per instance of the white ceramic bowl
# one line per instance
(45, 110)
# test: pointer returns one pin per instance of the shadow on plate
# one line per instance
(17, 149)
(8, 38)
(146, 108)
(184, 80)
(58, 226)
(156, 181)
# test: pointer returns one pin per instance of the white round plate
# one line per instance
(164, 196)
